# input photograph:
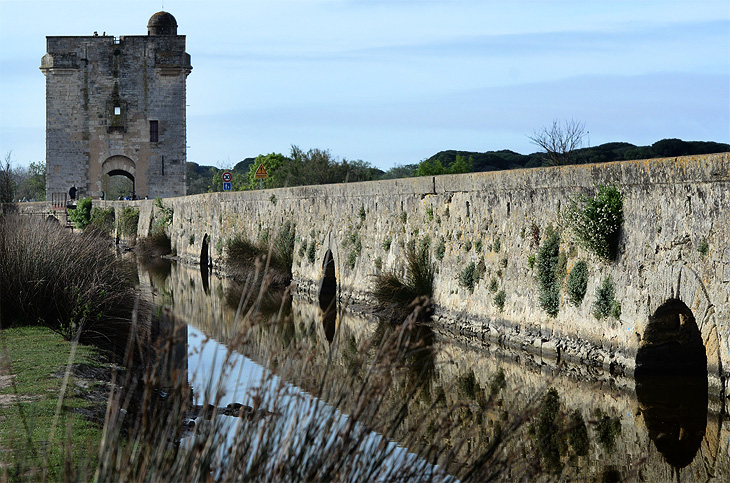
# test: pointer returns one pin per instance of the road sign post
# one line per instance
(227, 177)
(261, 175)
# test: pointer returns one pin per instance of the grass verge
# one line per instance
(39, 435)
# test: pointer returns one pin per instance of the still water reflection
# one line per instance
(651, 430)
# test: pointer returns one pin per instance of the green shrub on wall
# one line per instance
(127, 224)
(162, 218)
(469, 277)
(499, 299)
(577, 283)
(547, 267)
(596, 221)
(102, 219)
(606, 304)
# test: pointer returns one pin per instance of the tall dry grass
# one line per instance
(68, 282)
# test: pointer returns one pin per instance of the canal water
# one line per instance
(452, 402)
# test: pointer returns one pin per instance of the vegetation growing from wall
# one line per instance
(246, 258)
(128, 221)
(354, 243)
(605, 304)
(81, 215)
(158, 242)
(441, 249)
(499, 300)
(547, 271)
(397, 299)
(577, 283)
(596, 221)
(102, 220)
(469, 276)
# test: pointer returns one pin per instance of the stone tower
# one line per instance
(116, 106)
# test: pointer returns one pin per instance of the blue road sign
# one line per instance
(227, 186)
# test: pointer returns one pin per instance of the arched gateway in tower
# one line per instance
(115, 107)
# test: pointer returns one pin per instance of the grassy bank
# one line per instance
(73, 284)
(50, 418)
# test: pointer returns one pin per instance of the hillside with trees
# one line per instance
(318, 166)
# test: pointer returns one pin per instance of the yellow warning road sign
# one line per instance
(261, 172)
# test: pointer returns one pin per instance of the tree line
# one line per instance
(317, 166)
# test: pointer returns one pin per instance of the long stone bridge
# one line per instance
(671, 275)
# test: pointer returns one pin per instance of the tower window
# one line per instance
(154, 131)
(117, 110)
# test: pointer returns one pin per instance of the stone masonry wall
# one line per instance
(671, 207)
(86, 78)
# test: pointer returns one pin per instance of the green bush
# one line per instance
(81, 215)
(284, 246)
(547, 267)
(351, 259)
(493, 285)
(596, 221)
(162, 217)
(499, 299)
(468, 277)
(577, 283)
(311, 251)
(102, 220)
(703, 248)
(127, 224)
(353, 241)
(242, 254)
(441, 249)
(531, 261)
(605, 302)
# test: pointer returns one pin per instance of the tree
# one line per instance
(31, 182)
(7, 184)
(273, 164)
(559, 141)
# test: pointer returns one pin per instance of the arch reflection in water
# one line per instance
(671, 383)
(328, 296)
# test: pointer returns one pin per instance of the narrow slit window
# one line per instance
(154, 131)
(117, 110)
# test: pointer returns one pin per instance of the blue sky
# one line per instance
(393, 82)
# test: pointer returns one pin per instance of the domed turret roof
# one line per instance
(162, 23)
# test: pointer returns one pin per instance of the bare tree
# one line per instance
(559, 141)
(7, 184)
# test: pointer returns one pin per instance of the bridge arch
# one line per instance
(672, 343)
(681, 301)
(205, 251)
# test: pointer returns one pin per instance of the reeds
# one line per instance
(70, 283)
